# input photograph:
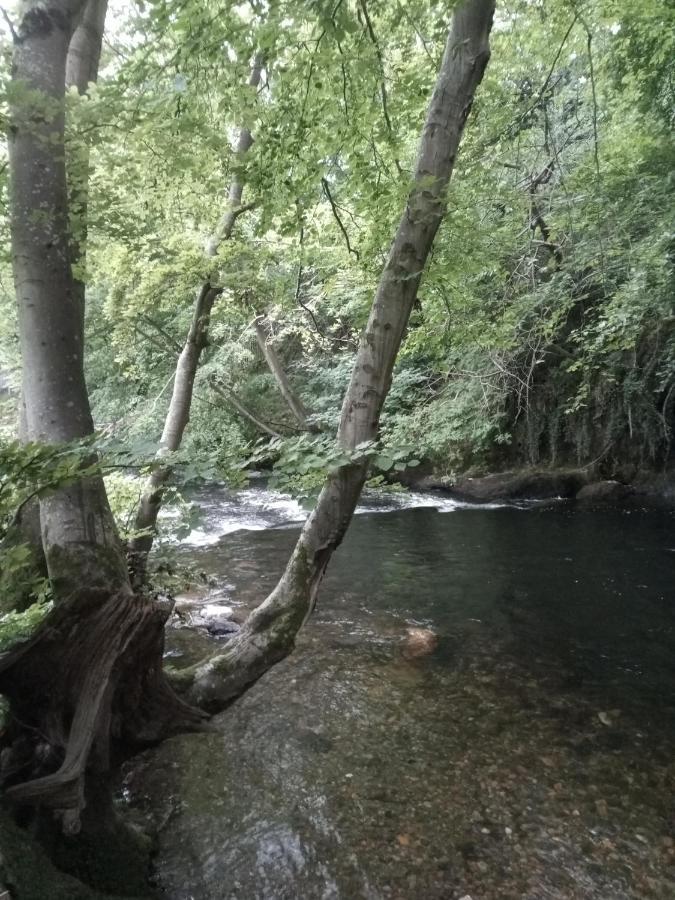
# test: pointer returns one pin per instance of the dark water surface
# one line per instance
(530, 756)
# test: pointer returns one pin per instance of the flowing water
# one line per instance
(529, 756)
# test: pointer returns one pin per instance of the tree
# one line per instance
(67, 684)
(77, 527)
(88, 687)
(82, 61)
(269, 633)
(178, 414)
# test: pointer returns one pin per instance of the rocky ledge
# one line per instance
(549, 484)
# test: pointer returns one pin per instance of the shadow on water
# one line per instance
(530, 756)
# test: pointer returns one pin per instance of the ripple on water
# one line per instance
(257, 509)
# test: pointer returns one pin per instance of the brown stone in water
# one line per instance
(419, 642)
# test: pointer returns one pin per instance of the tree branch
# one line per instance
(230, 397)
(336, 214)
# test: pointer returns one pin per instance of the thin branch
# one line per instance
(383, 86)
(589, 48)
(298, 289)
(542, 89)
(10, 24)
(411, 20)
(596, 155)
(540, 93)
(336, 214)
(231, 398)
(161, 330)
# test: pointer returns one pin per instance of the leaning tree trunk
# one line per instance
(269, 632)
(294, 403)
(178, 414)
(91, 675)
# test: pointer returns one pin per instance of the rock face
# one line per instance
(604, 491)
(525, 485)
(647, 488)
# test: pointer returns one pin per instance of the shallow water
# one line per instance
(530, 756)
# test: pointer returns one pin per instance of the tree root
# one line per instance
(86, 692)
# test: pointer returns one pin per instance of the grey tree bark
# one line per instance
(269, 632)
(78, 532)
(178, 414)
(84, 53)
(82, 62)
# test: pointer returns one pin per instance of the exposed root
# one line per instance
(85, 692)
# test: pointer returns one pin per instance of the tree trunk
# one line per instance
(178, 414)
(78, 532)
(82, 61)
(92, 673)
(294, 403)
(269, 633)
(84, 53)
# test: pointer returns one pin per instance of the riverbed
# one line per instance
(530, 755)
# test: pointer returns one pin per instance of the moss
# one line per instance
(88, 566)
(114, 868)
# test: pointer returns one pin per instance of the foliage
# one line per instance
(544, 331)
(31, 471)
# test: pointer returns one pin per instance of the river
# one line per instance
(529, 757)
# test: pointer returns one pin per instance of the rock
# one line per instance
(216, 618)
(525, 485)
(219, 629)
(646, 487)
(604, 491)
(419, 642)
(431, 483)
(216, 611)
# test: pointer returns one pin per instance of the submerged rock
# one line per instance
(222, 628)
(419, 642)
